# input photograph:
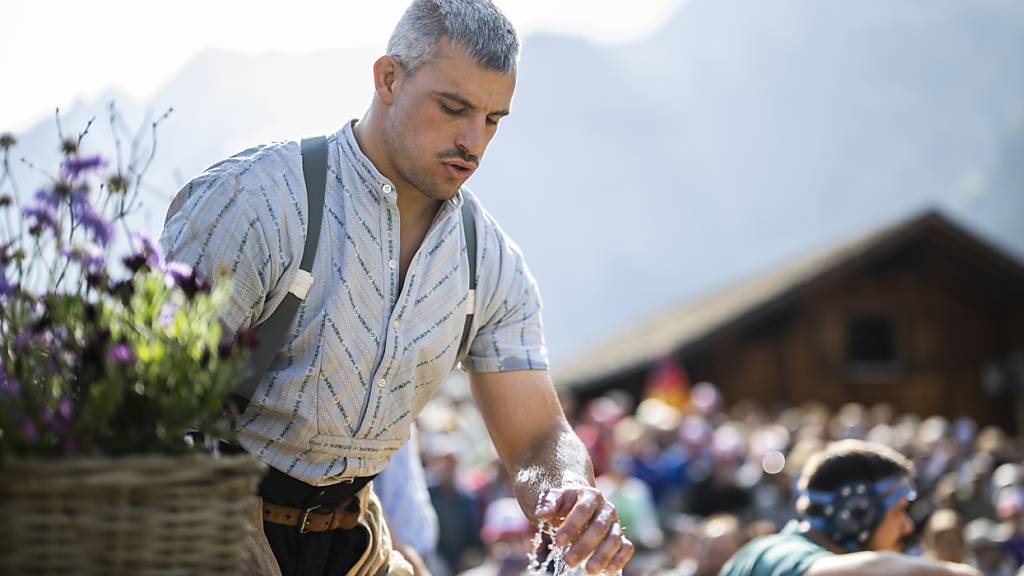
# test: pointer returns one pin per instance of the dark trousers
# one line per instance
(331, 553)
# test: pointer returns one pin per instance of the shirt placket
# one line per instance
(390, 359)
(385, 367)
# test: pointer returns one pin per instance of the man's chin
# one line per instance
(442, 193)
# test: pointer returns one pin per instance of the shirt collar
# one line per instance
(351, 155)
(349, 152)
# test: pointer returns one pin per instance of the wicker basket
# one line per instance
(142, 516)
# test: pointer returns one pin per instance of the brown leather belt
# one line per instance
(322, 518)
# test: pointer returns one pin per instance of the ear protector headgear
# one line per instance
(850, 514)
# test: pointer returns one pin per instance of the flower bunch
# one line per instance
(101, 354)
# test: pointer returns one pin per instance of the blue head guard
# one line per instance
(850, 514)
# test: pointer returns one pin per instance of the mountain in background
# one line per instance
(741, 136)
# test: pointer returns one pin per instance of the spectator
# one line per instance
(748, 458)
(456, 511)
(718, 491)
(682, 547)
(943, 537)
(853, 503)
(506, 534)
(985, 539)
(720, 538)
(633, 500)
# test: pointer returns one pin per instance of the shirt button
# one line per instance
(392, 263)
(395, 324)
(387, 188)
(382, 382)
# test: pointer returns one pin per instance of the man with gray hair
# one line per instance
(391, 299)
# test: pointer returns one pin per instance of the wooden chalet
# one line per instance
(923, 315)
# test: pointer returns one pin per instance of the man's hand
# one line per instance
(549, 466)
(587, 520)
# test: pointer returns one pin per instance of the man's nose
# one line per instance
(473, 139)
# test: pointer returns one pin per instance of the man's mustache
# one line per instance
(458, 153)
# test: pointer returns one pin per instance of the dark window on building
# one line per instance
(872, 351)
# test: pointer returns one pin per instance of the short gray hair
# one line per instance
(477, 26)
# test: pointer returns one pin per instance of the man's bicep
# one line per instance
(520, 409)
(857, 563)
(836, 565)
(884, 564)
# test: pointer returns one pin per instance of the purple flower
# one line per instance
(185, 278)
(90, 255)
(151, 250)
(6, 253)
(6, 288)
(149, 256)
(47, 197)
(65, 408)
(176, 272)
(83, 212)
(77, 165)
(121, 354)
(41, 217)
(29, 429)
(167, 313)
(59, 420)
(22, 340)
(8, 385)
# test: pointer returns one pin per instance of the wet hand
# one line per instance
(589, 522)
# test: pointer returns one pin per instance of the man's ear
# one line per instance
(387, 77)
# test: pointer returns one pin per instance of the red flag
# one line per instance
(669, 383)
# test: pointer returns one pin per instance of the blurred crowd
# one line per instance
(694, 478)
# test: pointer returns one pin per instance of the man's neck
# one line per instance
(415, 208)
(824, 542)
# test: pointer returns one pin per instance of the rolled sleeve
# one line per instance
(511, 334)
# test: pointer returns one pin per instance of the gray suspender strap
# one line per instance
(272, 333)
(469, 231)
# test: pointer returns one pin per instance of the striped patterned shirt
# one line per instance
(364, 353)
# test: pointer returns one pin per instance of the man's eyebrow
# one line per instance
(467, 103)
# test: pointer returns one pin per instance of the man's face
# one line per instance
(895, 526)
(442, 119)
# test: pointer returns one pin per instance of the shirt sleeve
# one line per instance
(510, 334)
(792, 559)
(774, 556)
(214, 226)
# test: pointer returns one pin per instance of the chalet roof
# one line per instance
(681, 328)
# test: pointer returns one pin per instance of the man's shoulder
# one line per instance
(278, 157)
(271, 171)
(784, 554)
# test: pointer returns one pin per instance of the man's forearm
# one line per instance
(546, 460)
(558, 461)
(886, 564)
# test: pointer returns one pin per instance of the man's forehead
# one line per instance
(453, 71)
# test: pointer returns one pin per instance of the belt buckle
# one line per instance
(304, 520)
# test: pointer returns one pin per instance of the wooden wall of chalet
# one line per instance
(951, 315)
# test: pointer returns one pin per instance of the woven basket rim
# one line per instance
(145, 515)
(21, 475)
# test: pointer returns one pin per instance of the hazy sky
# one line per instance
(54, 52)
